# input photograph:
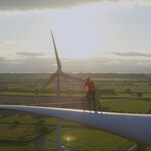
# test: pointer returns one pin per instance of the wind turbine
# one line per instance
(136, 127)
(57, 75)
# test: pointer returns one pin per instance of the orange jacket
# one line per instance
(90, 85)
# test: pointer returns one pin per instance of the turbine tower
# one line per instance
(57, 75)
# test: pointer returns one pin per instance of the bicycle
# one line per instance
(89, 104)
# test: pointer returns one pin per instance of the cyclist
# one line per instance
(91, 89)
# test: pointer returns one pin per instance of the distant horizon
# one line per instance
(73, 73)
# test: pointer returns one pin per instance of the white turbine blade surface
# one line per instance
(47, 83)
(136, 127)
(56, 53)
(72, 77)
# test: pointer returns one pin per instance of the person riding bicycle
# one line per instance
(91, 89)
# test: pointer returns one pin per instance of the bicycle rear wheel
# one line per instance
(97, 106)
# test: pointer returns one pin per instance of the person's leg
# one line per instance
(93, 95)
(88, 95)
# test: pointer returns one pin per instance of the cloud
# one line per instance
(2, 60)
(31, 54)
(93, 63)
(28, 5)
(25, 5)
(130, 54)
(3, 42)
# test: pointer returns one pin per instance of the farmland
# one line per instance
(124, 85)
(28, 130)
(20, 131)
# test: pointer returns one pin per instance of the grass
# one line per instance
(19, 147)
(85, 138)
(22, 135)
(19, 133)
(128, 106)
(89, 139)
(17, 93)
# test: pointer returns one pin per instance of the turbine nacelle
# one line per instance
(59, 72)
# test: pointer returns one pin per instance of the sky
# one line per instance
(103, 36)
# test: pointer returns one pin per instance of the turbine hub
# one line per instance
(59, 72)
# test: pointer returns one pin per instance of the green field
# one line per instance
(29, 84)
(19, 130)
(89, 139)
(84, 138)
(128, 106)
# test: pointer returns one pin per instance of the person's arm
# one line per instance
(83, 87)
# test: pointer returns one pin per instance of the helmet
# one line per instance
(87, 78)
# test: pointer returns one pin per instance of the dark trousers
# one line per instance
(91, 95)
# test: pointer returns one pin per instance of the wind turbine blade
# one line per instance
(72, 77)
(56, 53)
(132, 126)
(47, 83)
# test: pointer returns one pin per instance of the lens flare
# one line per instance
(69, 138)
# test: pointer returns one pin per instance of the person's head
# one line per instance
(88, 78)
